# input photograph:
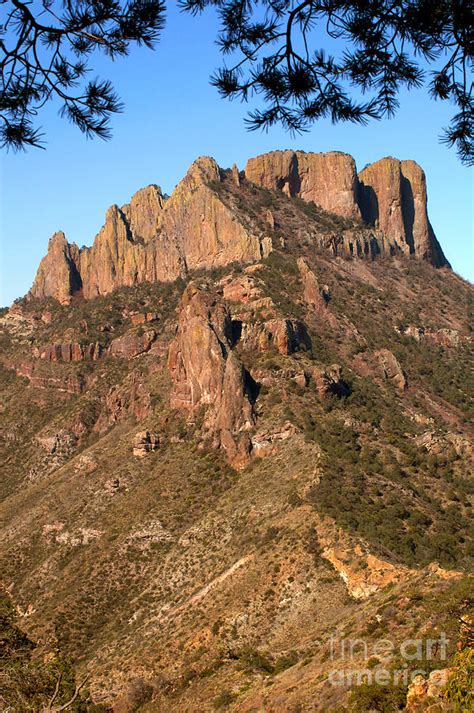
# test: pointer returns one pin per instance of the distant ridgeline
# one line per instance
(212, 220)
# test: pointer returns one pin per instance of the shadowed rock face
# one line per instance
(392, 196)
(157, 239)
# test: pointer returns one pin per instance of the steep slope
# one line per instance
(207, 477)
(153, 238)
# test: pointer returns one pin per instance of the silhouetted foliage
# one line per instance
(277, 50)
(45, 50)
(278, 53)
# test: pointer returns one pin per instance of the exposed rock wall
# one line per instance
(389, 194)
(72, 351)
(327, 179)
(206, 372)
(392, 197)
(157, 239)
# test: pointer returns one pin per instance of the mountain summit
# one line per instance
(210, 222)
(236, 438)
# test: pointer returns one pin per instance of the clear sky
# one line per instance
(173, 115)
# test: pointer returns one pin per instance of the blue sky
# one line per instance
(173, 115)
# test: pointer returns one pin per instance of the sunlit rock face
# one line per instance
(327, 179)
(207, 373)
(392, 196)
(206, 225)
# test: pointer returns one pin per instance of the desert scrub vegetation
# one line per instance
(28, 682)
(386, 495)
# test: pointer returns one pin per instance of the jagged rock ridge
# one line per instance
(157, 239)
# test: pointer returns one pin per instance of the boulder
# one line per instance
(267, 441)
(143, 318)
(285, 335)
(445, 337)
(132, 345)
(145, 442)
(329, 380)
(390, 369)
(427, 693)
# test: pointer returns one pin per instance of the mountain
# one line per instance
(209, 222)
(236, 430)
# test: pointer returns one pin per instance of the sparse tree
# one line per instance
(274, 50)
(53, 707)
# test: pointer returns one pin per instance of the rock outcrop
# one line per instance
(69, 352)
(329, 380)
(207, 373)
(425, 694)
(58, 274)
(390, 369)
(143, 213)
(443, 337)
(203, 226)
(145, 442)
(132, 345)
(45, 376)
(327, 179)
(130, 398)
(392, 197)
(285, 335)
(316, 297)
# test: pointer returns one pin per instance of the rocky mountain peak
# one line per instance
(213, 219)
(58, 273)
(143, 212)
(393, 197)
(327, 179)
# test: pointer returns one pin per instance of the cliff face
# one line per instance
(151, 239)
(392, 196)
(58, 272)
(327, 179)
(389, 194)
(211, 221)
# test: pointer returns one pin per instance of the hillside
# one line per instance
(236, 428)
